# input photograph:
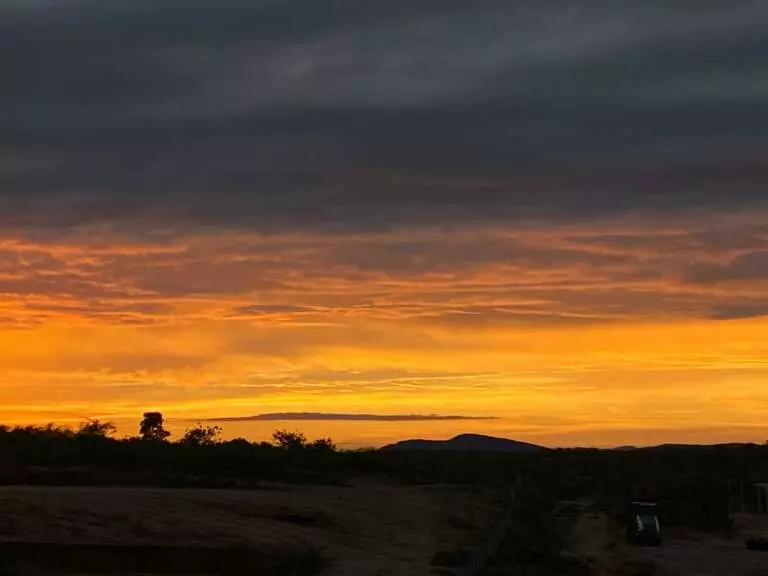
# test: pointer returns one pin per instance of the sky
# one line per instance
(549, 217)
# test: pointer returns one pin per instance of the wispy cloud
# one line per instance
(342, 417)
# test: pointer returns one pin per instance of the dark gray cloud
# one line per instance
(741, 310)
(266, 112)
(267, 310)
(748, 267)
(327, 416)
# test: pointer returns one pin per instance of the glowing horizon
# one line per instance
(560, 330)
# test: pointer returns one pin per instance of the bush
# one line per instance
(96, 428)
(201, 435)
(289, 440)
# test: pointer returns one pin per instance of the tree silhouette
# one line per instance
(289, 440)
(152, 427)
(324, 444)
(201, 435)
(94, 428)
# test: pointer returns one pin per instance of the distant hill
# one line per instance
(467, 442)
(674, 446)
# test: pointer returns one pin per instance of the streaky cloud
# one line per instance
(276, 416)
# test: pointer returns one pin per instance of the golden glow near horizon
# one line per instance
(608, 333)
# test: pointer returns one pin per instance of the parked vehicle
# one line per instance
(643, 527)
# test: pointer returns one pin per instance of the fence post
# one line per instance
(483, 552)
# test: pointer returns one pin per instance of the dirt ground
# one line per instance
(684, 552)
(691, 553)
(369, 529)
(592, 537)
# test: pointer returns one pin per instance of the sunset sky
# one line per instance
(554, 214)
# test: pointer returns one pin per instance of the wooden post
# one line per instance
(730, 508)
(482, 554)
(743, 503)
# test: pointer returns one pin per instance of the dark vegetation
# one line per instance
(757, 543)
(535, 542)
(695, 486)
(91, 454)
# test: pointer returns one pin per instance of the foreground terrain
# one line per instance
(367, 529)
(81, 502)
(693, 553)
(685, 551)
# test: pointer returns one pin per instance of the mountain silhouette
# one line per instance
(467, 442)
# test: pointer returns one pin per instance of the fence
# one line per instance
(483, 552)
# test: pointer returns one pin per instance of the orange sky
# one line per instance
(604, 333)
(554, 217)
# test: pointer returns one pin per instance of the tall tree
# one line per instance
(152, 427)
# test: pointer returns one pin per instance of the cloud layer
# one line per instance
(273, 114)
(328, 417)
(453, 277)
(550, 212)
